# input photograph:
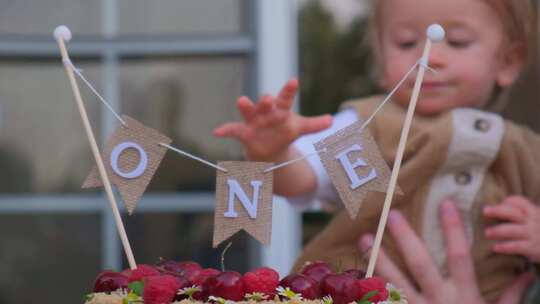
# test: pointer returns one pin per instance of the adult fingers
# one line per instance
(514, 293)
(385, 268)
(506, 231)
(417, 258)
(233, 130)
(286, 95)
(460, 263)
(246, 108)
(504, 212)
(314, 124)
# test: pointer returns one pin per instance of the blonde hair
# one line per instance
(517, 20)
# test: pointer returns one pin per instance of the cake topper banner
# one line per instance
(131, 156)
(355, 165)
(243, 201)
(244, 189)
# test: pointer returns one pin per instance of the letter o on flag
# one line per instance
(143, 161)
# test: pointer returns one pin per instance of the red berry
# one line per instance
(142, 271)
(307, 287)
(203, 275)
(126, 272)
(316, 270)
(200, 281)
(343, 288)
(227, 285)
(356, 273)
(182, 283)
(169, 267)
(370, 284)
(187, 269)
(108, 281)
(190, 270)
(264, 280)
(160, 289)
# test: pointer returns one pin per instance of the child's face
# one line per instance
(469, 63)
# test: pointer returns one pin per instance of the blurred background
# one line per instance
(176, 66)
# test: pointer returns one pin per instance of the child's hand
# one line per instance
(269, 127)
(521, 234)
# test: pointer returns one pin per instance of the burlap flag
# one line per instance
(355, 165)
(243, 201)
(131, 157)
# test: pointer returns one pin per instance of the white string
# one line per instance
(78, 72)
(281, 165)
(294, 160)
(424, 62)
(364, 125)
(389, 96)
(193, 157)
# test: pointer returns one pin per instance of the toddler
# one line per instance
(490, 167)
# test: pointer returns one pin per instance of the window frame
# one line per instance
(258, 45)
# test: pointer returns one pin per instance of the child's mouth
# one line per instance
(433, 85)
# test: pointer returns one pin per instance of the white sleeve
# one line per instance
(325, 191)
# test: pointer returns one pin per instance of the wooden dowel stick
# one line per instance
(399, 156)
(97, 155)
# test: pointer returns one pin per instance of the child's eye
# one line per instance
(459, 43)
(407, 44)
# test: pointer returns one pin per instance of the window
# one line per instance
(177, 67)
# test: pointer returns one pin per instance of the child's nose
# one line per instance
(436, 56)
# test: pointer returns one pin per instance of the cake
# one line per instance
(189, 283)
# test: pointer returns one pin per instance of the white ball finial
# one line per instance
(63, 32)
(435, 33)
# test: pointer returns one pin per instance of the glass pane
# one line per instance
(185, 99)
(184, 237)
(43, 146)
(48, 258)
(42, 17)
(186, 16)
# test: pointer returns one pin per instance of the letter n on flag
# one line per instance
(355, 165)
(243, 201)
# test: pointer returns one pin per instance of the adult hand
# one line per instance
(459, 287)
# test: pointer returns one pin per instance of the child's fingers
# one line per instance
(512, 247)
(246, 108)
(518, 202)
(505, 212)
(506, 231)
(264, 105)
(314, 124)
(233, 130)
(386, 268)
(286, 95)
(271, 119)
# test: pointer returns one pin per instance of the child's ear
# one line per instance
(511, 63)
